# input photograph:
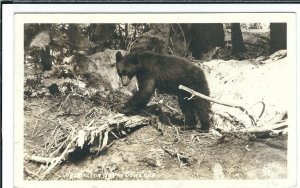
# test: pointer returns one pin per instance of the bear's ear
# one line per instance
(119, 56)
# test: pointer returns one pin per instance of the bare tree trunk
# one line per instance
(237, 39)
(278, 36)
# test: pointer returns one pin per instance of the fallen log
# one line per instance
(87, 135)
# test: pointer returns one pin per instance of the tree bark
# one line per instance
(237, 41)
(278, 36)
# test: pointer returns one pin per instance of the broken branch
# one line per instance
(194, 93)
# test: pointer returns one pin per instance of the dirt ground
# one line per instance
(151, 151)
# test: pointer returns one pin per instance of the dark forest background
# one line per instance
(175, 39)
(70, 45)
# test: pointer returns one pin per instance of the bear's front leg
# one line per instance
(141, 98)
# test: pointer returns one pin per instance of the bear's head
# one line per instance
(127, 67)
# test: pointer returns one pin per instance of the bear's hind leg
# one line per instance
(187, 110)
(202, 109)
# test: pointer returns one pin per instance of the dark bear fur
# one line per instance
(165, 73)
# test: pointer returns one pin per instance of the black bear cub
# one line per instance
(165, 73)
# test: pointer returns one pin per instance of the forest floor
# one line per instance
(151, 153)
(160, 150)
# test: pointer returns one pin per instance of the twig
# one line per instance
(49, 108)
(277, 118)
(194, 93)
(170, 50)
(55, 161)
(44, 160)
(263, 108)
(73, 129)
(60, 147)
(265, 128)
(178, 137)
(171, 108)
(41, 128)
(130, 44)
(32, 173)
(34, 127)
(100, 143)
(54, 136)
(90, 112)
(50, 137)
(63, 102)
(45, 119)
(114, 135)
(91, 123)
(166, 105)
(184, 39)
